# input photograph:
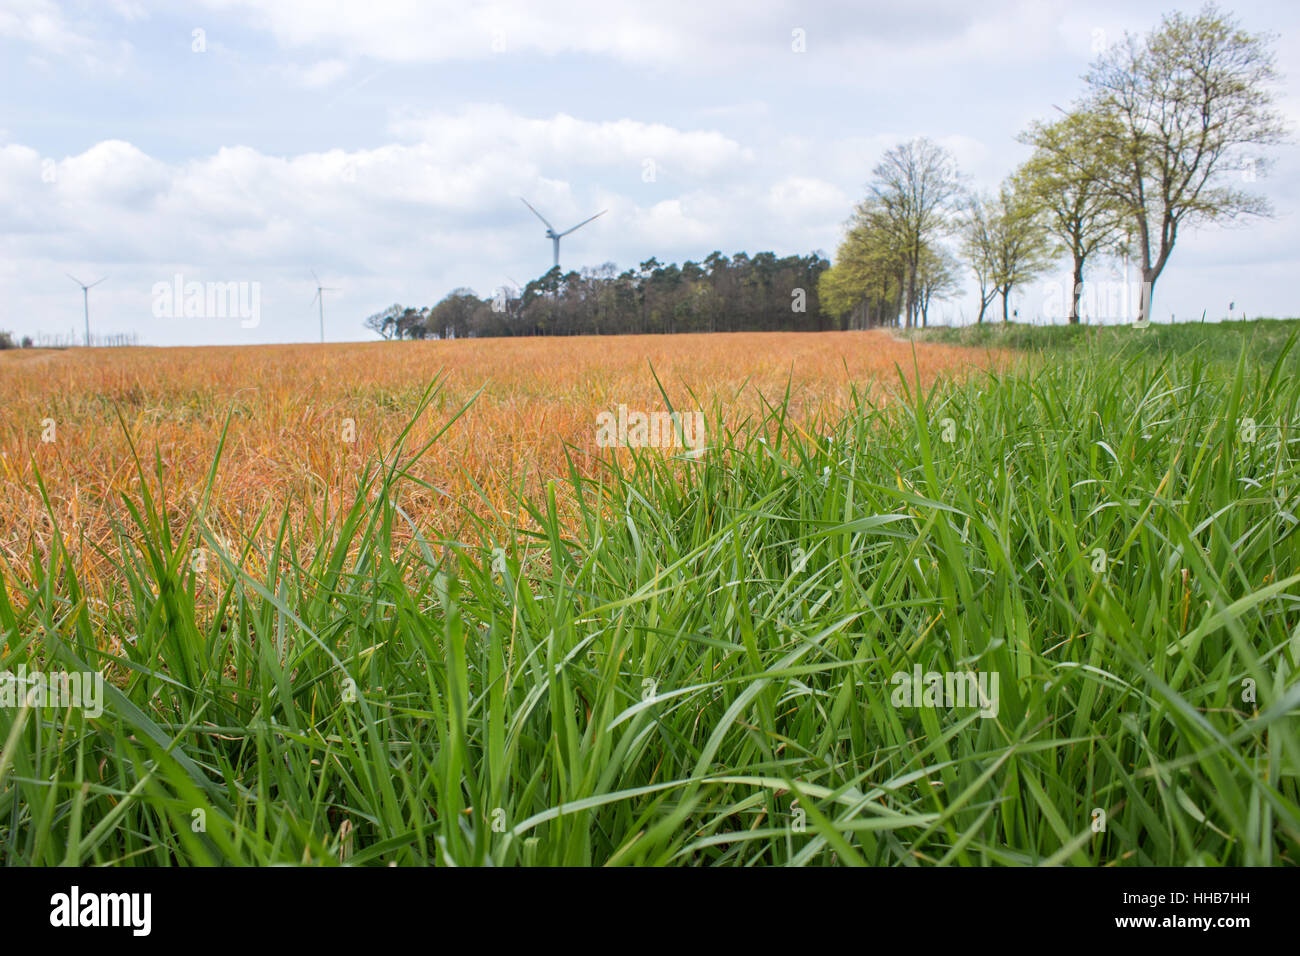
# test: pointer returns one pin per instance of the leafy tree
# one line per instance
(1004, 241)
(866, 285)
(451, 318)
(1182, 109)
(1064, 178)
(1019, 240)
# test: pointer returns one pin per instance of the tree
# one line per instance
(1004, 242)
(1180, 108)
(916, 187)
(978, 227)
(938, 277)
(413, 324)
(400, 322)
(499, 315)
(864, 286)
(450, 318)
(1019, 240)
(1064, 179)
(385, 322)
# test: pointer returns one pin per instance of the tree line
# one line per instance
(741, 293)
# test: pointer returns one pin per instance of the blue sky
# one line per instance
(384, 144)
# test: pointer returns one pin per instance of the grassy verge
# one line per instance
(704, 672)
(1263, 339)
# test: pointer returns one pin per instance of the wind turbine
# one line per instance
(319, 289)
(85, 296)
(554, 236)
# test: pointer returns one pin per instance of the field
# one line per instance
(482, 639)
(291, 410)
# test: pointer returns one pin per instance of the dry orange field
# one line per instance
(72, 416)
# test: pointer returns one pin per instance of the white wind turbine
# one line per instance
(319, 296)
(554, 236)
(85, 297)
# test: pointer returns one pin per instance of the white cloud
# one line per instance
(41, 24)
(410, 31)
(477, 130)
(129, 10)
(721, 33)
(53, 38)
(318, 75)
(803, 194)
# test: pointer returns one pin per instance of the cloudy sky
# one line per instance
(384, 143)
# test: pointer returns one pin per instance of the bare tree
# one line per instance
(384, 323)
(916, 187)
(1181, 109)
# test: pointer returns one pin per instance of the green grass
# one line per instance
(701, 673)
(1263, 339)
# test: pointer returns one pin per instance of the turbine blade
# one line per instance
(75, 279)
(536, 213)
(95, 283)
(584, 222)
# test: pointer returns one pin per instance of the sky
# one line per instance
(384, 145)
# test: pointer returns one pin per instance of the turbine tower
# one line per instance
(85, 296)
(554, 236)
(320, 289)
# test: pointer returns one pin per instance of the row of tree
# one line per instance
(720, 294)
(1148, 151)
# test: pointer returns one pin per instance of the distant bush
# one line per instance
(7, 341)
